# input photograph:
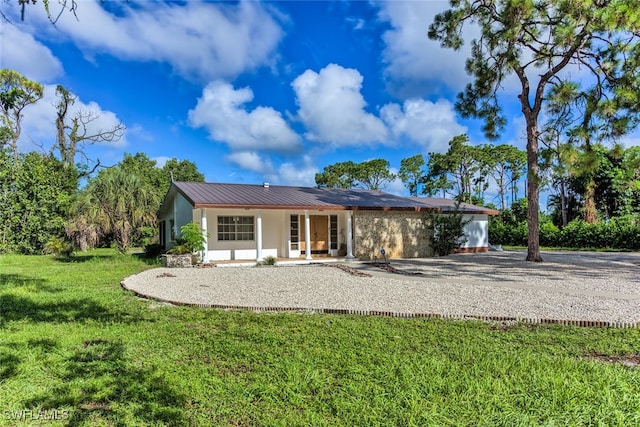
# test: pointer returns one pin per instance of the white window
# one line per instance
(235, 228)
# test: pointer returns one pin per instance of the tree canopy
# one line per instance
(371, 175)
(536, 41)
(16, 93)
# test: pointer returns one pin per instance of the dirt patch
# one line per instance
(389, 268)
(630, 361)
(166, 275)
(345, 268)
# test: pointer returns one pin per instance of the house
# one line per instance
(251, 222)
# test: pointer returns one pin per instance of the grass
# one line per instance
(76, 349)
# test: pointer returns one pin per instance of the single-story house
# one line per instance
(251, 222)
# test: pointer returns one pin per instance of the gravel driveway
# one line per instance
(578, 288)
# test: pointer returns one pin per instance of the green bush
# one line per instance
(270, 260)
(549, 234)
(153, 250)
(448, 232)
(501, 233)
(191, 240)
(58, 247)
(621, 232)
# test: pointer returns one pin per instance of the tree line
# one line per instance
(589, 185)
(463, 173)
(41, 195)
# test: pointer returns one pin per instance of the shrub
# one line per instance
(153, 250)
(270, 260)
(191, 240)
(58, 247)
(501, 233)
(448, 232)
(549, 234)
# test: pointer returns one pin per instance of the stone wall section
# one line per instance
(401, 234)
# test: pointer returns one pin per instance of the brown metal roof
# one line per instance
(215, 195)
(447, 205)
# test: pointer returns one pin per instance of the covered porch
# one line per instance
(255, 234)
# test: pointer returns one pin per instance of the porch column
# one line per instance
(203, 225)
(258, 235)
(307, 235)
(349, 235)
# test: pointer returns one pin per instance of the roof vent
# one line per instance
(265, 184)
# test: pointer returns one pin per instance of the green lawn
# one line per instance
(75, 346)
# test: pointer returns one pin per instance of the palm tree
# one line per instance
(116, 203)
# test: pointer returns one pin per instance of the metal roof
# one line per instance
(247, 196)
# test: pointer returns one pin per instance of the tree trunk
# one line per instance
(563, 203)
(533, 183)
(590, 210)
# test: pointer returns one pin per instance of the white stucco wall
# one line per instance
(181, 212)
(477, 231)
(273, 235)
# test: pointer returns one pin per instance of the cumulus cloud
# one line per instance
(251, 161)
(199, 40)
(220, 110)
(19, 50)
(396, 186)
(38, 125)
(429, 124)
(413, 61)
(332, 108)
(301, 173)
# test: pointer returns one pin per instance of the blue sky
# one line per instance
(251, 91)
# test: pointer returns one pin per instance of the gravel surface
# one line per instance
(568, 287)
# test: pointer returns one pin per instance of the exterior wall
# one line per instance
(401, 234)
(180, 214)
(477, 232)
(272, 226)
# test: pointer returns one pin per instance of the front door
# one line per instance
(319, 230)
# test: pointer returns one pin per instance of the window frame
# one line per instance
(231, 227)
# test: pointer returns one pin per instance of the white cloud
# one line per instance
(199, 40)
(38, 124)
(301, 174)
(631, 140)
(19, 49)
(251, 161)
(414, 62)
(429, 124)
(332, 107)
(416, 65)
(396, 186)
(161, 160)
(220, 111)
(140, 132)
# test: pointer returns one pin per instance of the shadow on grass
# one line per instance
(74, 259)
(10, 354)
(100, 386)
(18, 308)
(85, 257)
(8, 365)
(9, 280)
(147, 259)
